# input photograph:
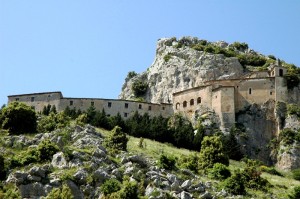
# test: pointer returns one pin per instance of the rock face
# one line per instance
(176, 69)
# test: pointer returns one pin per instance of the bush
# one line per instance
(167, 162)
(129, 190)
(110, 186)
(296, 193)
(60, 193)
(117, 140)
(235, 184)
(52, 121)
(240, 46)
(270, 170)
(293, 109)
(139, 88)
(130, 75)
(167, 57)
(18, 118)
(212, 151)
(81, 120)
(46, 150)
(191, 162)
(219, 172)
(288, 136)
(296, 174)
(9, 191)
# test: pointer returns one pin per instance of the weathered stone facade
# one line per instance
(229, 96)
(112, 107)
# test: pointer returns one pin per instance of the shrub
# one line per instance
(191, 162)
(212, 151)
(60, 193)
(296, 193)
(52, 121)
(270, 170)
(288, 136)
(139, 88)
(46, 150)
(18, 118)
(296, 174)
(9, 191)
(129, 190)
(167, 162)
(293, 109)
(167, 57)
(250, 59)
(81, 120)
(235, 184)
(219, 172)
(117, 140)
(130, 75)
(110, 186)
(240, 46)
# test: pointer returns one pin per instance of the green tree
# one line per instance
(212, 151)
(53, 109)
(63, 192)
(110, 186)
(139, 88)
(18, 118)
(91, 113)
(117, 140)
(46, 150)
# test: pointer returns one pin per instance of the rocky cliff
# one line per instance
(178, 66)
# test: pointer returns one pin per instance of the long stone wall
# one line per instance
(112, 107)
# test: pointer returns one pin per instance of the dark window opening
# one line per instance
(271, 93)
(184, 104)
(140, 106)
(109, 104)
(280, 72)
(192, 102)
(250, 91)
(108, 115)
(126, 105)
(177, 106)
(71, 103)
(163, 108)
(32, 99)
(92, 103)
(125, 114)
(199, 100)
(17, 99)
(149, 108)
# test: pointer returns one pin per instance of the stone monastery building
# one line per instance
(225, 97)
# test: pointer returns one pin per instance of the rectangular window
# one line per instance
(149, 108)
(163, 108)
(140, 106)
(109, 104)
(125, 114)
(17, 99)
(126, 105)
(32, 99)
(92, 103)
(250, 91)
(271, 93)
(71, 103)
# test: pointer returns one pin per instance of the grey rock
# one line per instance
(76, 192)
(206, 195)
(175, 186)
(171, 177)
(99, 153)
(129, 171)
(37, 171)
(117, 173)
(100, 176)
(186, 184)
(185, 195)
(33, 190)
(55, 182)
(18, 177)
(59, 161)
(80, 176)
(34, 178)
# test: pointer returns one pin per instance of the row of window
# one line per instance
(126, 105)
(192, 102)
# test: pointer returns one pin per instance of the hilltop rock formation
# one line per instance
(175, 69)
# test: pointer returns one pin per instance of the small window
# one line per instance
(271, 93)
(177, 106)
(71, 103)
(163, 108)
(109, 104)
(280, 72)
(32, 99)
(149, 108)
(125, 114)
(184, 104)
(108, 115)
(126, 105)
(192, 102)
(199, 100)
(17, 99)
(250, 91)
(140, 106)
(92, 103)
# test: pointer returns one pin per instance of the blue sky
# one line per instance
(86, 48)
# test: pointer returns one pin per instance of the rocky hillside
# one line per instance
(188, 62)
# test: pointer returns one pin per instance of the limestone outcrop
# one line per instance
(175, 69)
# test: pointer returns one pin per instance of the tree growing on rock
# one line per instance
(18, 118)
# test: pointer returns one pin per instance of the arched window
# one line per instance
(199, 100)
(177, 106)
(184, 104)
(280, 72)
(192, 102)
